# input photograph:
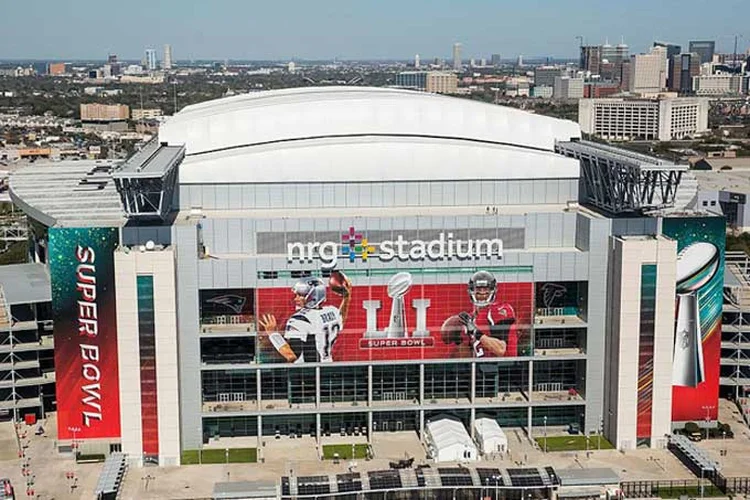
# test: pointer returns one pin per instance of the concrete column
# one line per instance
(257, 388)
(530, 427)
(421, 425)
(473, 394)
(472, 418)
(317, 387)
(260, 437)
(369, 385)
(530, 424)
(317, 428)
(421, 383)
(369, 427)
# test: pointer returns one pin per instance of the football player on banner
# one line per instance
(489, 329)
(312, 329)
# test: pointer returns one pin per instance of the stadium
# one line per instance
(342, 262)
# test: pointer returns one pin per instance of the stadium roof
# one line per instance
(25, 283)
(68, 193)
(363, 134)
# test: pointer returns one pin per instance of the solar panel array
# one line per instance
(419, 477)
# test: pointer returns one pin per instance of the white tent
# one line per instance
(490, 436)
(448, 441)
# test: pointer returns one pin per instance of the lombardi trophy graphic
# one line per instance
(696, 265)
(397, 288)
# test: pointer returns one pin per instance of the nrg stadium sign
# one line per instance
(354, 245)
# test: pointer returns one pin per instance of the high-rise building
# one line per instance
(495, 60)
(614, 55)
(112, 59)
(150, 59)
(648, 72)
(672, 51)
(683, 67)
(704, 48)
(568, 88)
(167, 63)
(457, 56)
(544, 76)
(436, 82)
(416, 61)
(591, 59)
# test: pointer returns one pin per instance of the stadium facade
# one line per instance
(362, 260)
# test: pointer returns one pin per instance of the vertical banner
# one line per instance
(697, 333)
(83, 307)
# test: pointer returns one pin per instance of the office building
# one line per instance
(596, 90)
(167, 63)
(457, 65)
(190, 261)
(104, 112)
(648, 72)
(436, 82)
(150, 60)
(705, 50)
(519, 61)
(146, 114)
(544, 76)
(643, 119)
(684, 68)
(495, 60)
(416, 61)
(416, 80)
(591, 59)
(568, 88)
(719, 84)
(615, 56)
(672, 51)
(542, 91)
(57, 69)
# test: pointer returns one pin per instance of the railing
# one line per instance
(670, 489)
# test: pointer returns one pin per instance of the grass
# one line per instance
(344, 451)
(219, 456)
(574, 443)
(709, 490)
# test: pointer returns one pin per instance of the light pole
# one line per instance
(723, 446)
(544, 418)
(497, 483)
(74, 430)
(708, 409)
(701, 481)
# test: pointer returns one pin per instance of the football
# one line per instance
(336, 282)
(399, 284)
(452, 330)
(696, 265)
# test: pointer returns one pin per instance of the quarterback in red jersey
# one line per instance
(490, 328)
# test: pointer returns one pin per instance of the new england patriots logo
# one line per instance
(235, 303)
(551, 292)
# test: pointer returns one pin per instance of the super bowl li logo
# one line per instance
(396, 334)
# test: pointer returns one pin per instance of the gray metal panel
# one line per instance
(188, 345)
(235, 196)
(234, 243)
(542, 229)
(222, 197)
(234, 273)
(583, 228)
(209, 196)
(25, 283)
(501, 193)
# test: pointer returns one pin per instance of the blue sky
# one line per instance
(355, 29)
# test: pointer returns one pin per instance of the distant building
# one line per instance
(436, 82)
(457, 57)
(719, 84)
(416, 61)
(648, 72)
(705, 50)
(441, 83)
(146, 114)
(150, 59)
(495, 60)
(597, 90)
(542, 91)
(519, 62)
(544, 76)
(615, 56)
(643, 119)
(291, 67)
(673, 50)
(167, 63)
(568, 88)
(684, 68)
(57, 69)
(591, 59)
(104, 112)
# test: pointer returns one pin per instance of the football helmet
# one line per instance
(312, 289)
(482, 279)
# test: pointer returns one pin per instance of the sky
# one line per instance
(356, 29)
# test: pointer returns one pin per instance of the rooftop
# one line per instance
(724, 180)
(25, 283)
(68, 193)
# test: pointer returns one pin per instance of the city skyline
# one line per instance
(230, 29)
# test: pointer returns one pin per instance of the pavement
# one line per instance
(299, 457)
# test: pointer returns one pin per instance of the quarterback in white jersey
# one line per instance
(312, 329)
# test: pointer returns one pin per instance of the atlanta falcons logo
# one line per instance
(233, 302)
(552, 292)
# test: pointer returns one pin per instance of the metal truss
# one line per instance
(146, 182)
(620, 181)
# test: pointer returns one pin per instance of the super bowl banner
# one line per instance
(697, 334)
(83, 306)
(346, 319)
